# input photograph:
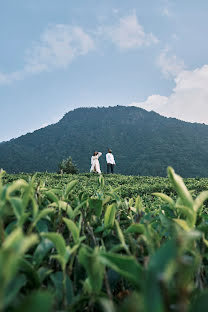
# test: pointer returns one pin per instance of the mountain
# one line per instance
(143, 143)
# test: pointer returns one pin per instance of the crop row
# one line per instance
(88, 243)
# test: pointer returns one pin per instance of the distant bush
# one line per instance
(67, 166)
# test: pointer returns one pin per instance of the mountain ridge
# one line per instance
(169, 118)
(143, 143)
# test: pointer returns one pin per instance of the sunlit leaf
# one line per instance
(180, 188)
(73, 229)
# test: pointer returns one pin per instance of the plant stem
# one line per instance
(107, 286)
(1, 232)
(64, 288)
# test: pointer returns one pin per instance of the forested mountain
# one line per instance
(143, 143)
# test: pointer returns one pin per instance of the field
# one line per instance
(130, 186)
(112, 243)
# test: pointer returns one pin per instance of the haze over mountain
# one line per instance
(143, 143)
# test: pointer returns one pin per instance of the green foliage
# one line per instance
(103, 244)
(144, 143)
(95, 269)
(67, 166)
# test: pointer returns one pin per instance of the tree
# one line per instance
(67, 166)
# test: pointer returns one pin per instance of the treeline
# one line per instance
(143, 143)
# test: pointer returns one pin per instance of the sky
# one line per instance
(58, 55)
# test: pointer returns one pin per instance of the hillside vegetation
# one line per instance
(144, 143)
(88, 243)
(129, 186)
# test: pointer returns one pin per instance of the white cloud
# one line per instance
(128, 33)
(189, 99)
(44, 125)
(152, 101)
(174, 36)
(58, 46)
(169, 64)
(53, 120)
(115, 11)
(8, 78)
(4, 79)
(166, 9)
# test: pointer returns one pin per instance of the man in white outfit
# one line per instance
(110, 161)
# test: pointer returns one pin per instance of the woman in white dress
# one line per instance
(95, 165)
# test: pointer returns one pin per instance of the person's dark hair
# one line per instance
(95, 153)
(109, 150)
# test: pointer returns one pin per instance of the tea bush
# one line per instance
(113, 243)
(67, 166)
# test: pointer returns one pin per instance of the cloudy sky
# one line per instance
(57, 55)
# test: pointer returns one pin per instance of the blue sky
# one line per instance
(57, 55)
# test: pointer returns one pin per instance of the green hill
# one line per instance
(143, 143)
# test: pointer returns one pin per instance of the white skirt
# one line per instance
(95, 165)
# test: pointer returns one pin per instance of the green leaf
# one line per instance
(120, 234)
(28, 242)
(165, 221)
(138, 204)
(205, 241)
(183, 224)
(127, 266)
(152, 296)
(73, 229)
(200, 200)
(27, 268)
(161, 269)
(101, 181)
(15, 186)
(109, 217)
(42, 226)
(160, 261)
(14, 288)
(70, 187)
(62, 205)
(2, 173)
(43, 214)
(57, 279)
(13, 248)
(18, 242)
(107, 305)
(27, 194)
(76, 210)
(200, 302)
(51, 196)
(70, 212)
(165, 197)
(96, 206)
(43, 273)
(61, 259)
(190, 214)
(17, 206)
(40, 301)
(133, 303)
(106, 200)
(41, 251)
(180, 188)
(35, 207)
(58, 241)
(95, 269)
(135, 228)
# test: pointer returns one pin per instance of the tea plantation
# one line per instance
(92, 243)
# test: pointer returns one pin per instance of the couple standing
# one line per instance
(95, 165)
